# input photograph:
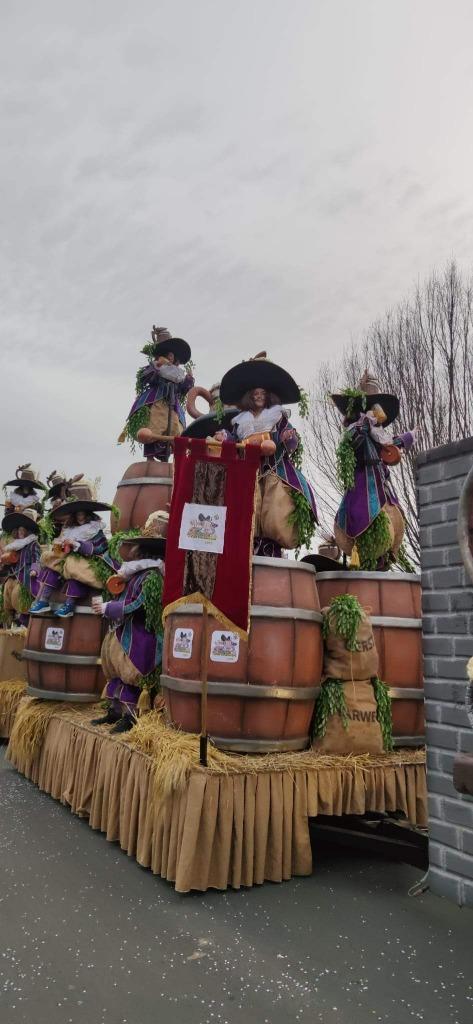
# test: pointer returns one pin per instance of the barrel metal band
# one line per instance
(409, 741)
(60, 659)
(72, 698)
(395, 622)
(167, 480)
(406, 693)
(255, 691)
(259, 611)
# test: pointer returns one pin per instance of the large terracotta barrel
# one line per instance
(63, 656)
(262, 700)
(145, 488)
(395, 603)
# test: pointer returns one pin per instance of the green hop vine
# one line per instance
(302, 517)
(152, 602)
(383, 711)
(374, 542)
(343, 617)
(116, 541)
(345, 462)
(331, 701)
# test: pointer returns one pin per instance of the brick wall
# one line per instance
(447, 623)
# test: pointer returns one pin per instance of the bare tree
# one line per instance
(422, 351)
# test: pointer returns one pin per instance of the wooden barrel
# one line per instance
(145, 488)
(395, 603)
(261, 698)
(63, 656)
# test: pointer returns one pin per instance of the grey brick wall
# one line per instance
(447, 607)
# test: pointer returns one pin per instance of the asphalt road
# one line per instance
(88, 937)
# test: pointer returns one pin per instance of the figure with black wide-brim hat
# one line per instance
(160, 389)
(26, 484)
(285, 508)
(132, 649)
(78, 557)
(369, 524)
(18, 556)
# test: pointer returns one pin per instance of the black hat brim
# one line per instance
(322, 563)
(15, 519)
(258, 373)
(35, 484)
(56, 489)
(180, 349)
(207, 426)
(70, 507)
(157, 544)
(389, 403)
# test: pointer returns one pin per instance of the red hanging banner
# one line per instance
(209, 544)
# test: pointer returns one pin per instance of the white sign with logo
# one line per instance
(203, 527)
(182, 643)
(224, 646)
(54, 639)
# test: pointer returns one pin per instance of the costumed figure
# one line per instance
(369, 524)
(132, 649)
(78, 555)
(160, 387)
(285, 509)
(17, 559)
(26, 483)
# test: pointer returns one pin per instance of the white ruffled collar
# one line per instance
(21, 542)
(247, 423)
(128, 569)
(85, 532)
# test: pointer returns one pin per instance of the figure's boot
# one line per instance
(108, 718)
(124, 724)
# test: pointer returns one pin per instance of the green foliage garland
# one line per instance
(298, 455)
(26, 599)
(152, 601)
(343, 617)
(47, 529)
(346, 462)
(219, 410)
(331, 701)
(138, 419)
(352, 394)
(152, 681)
(383, 711)
(303, 404)
(302, 518)
(374, 542)
(116, 541)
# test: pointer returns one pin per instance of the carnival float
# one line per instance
(187, 678)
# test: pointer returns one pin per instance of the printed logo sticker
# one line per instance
(203, 527)
(54, 639)
(182, 643)
(224, 647)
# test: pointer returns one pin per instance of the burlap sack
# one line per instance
(363, 735)
(159, 419)
(52, 559)
(340, 663)
(78, 568)
(11, 596)
(396, 520)
(273, 507)
(115, 663)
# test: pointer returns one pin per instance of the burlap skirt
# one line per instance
(273, 506)
(396, 530)
(115, 663)
(159, 423)
(52, 560)
(77, 568)
(12, 596)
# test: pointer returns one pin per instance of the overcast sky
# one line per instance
(251, 174)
